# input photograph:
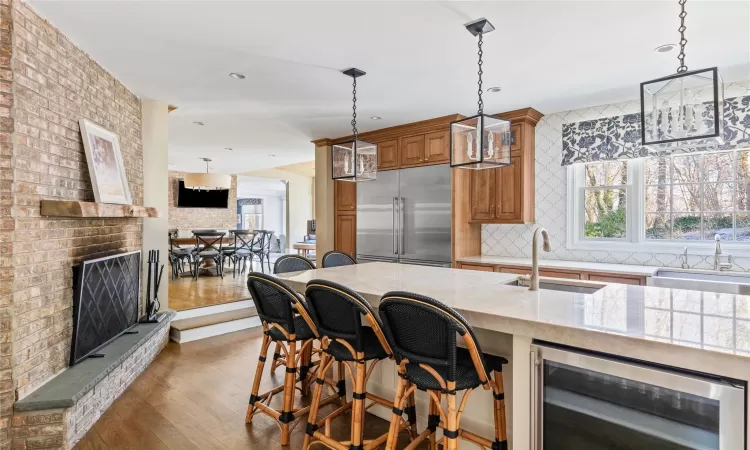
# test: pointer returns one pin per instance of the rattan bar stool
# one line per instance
(287, 322)
(337, 313)
(422, 333)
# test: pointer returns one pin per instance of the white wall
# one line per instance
(551, 198)
(272, 214)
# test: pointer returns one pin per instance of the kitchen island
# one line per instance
(695, 331)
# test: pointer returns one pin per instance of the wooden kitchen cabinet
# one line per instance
(478, 267)
(345, 194)
(388, 155)
(412, 150)
(436, 147)
(604, 278)
(506, 194)
(345, 233)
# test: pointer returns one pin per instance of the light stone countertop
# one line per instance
(623, 269)
(696, 330)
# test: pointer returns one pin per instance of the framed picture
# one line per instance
(105, 163)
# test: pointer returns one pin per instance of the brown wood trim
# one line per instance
(598, 276)
(409, 129)
(527, 115)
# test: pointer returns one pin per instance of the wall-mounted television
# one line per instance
(190, 198)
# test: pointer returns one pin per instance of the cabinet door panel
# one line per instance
(483, 194)
(345, 195)
(477, 267)
(412, 150)
(516, 140)
(508, 190)
(515, 270)
(556, 274)
(616, 279)
(388, 155)
(345, 230)
(436, 147)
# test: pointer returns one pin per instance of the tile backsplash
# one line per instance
(551, 198)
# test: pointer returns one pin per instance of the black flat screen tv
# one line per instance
(190, 198)
(106, 298)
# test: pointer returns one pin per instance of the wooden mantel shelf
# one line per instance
(67, 208)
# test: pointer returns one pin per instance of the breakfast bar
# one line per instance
(686, 335)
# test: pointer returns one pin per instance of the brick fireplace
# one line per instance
(46, 85)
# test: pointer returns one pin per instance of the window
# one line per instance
(660, 203)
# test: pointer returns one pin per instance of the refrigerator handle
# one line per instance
(401, 226)
(395, 226)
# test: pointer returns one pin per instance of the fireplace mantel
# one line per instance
(72, 208)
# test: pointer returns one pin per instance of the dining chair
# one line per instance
(263, 248)
(208, 246)
(178, 256)
(242, 250)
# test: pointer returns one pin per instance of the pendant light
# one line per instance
(207, 181)
(354, 160)
(480, 141)
(685, 109)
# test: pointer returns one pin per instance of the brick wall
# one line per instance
(55, 85)
(7, 224)
(201, 218)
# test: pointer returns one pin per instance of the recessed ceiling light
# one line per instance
(200, 124)
(375, 117)
(494, 89)
(228, 148)
(237, 76)
(271, 155)
(665, 48)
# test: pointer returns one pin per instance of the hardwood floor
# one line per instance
(188, 293)
(194, 397)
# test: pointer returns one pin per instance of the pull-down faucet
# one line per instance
(534, 281)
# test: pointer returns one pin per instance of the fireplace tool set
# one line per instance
(153, 281)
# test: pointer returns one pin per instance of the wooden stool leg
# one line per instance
(358, 403)
(433, 420)
(411, 414)
(341, 383)
(317, 390)
(501, 435)
(304, 369)
(290, 380)
(451, 415)
(276, 356)
(395, 417)
(258, 374)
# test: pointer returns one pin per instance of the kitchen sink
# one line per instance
(702, 280)
(550, 286)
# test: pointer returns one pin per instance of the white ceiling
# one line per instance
(420, 62)
(251, 187)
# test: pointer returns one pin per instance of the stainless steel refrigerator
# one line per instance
(405, 216)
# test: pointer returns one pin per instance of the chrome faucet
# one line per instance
(718, 265)
(534, 281)
(684, 259)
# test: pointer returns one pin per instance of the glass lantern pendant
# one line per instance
(354, 160)
(480, 141)
(685, 109)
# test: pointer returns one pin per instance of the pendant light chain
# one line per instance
(354, 108)
(683, 41)
(480, 103)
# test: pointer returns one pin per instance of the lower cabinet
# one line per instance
(345, 233)
(599, 277)
(478, 267)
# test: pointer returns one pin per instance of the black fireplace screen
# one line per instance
(106, 295)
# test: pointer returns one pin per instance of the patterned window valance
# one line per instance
(619, 137)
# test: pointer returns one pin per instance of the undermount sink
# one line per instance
(702, 280)
(549, 286)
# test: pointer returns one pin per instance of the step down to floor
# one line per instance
(213, 324)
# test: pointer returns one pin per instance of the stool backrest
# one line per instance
(423, 330)
(276, 302)
(292, 263)
(335, 258)
(211, 241)
(337, 312)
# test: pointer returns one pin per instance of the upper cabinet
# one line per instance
(412, 150)
(388, 155)
(437, 147)
(506, 194)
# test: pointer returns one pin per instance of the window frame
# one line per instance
(635, 240)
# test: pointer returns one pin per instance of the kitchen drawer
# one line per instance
(515, 270)
(477, 267)
(616, 279)
(556, 274)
